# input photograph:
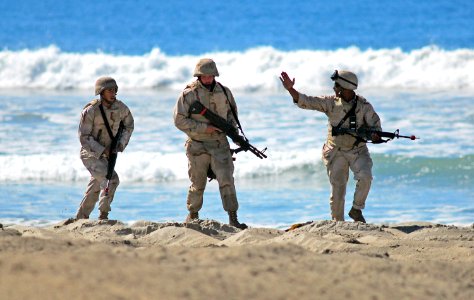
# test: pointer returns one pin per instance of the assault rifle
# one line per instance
(228, 129)
(365, 134)
(113, 157)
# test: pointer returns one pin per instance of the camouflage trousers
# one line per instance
(215, 154)
(98, 170)
(338, 162)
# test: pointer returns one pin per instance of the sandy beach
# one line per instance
(412, 62)
(210, 260)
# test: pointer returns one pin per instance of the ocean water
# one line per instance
(416, 71)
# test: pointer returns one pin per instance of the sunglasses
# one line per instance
(335, 76)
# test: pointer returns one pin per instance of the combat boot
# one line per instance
(192, 216)
(234, 222)
(356, 215)
(104, 215)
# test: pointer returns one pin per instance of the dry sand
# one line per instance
(209, 260)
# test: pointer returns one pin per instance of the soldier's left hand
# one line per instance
(375, 137)
(212, 129)
(106, 152)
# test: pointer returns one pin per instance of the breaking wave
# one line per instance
(255, 69)
(159, 167)
(142, 167)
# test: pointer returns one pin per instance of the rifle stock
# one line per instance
(232, 132)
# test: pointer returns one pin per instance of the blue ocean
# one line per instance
(414, 60)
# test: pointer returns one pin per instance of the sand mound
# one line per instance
(209, 260)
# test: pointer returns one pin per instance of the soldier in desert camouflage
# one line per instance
(344, 109)
(207, 147)
(96, 141)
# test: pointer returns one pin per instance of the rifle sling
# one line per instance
(348, 114)
(351, 114)
(232, 109)
(106, 122)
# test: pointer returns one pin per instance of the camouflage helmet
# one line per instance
(346, 79)
(104, 83)
(206, 66)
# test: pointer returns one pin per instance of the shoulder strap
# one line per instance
(107, 126)
(349, 113)
(352, 123)
(232, 109)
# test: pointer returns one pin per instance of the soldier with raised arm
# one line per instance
(341, 152)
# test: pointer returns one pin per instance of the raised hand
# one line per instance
(286, 81)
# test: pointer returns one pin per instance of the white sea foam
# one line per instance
(145, 167)
(255, 69)
(168, 167)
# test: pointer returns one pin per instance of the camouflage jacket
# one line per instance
(93, 134)
(195, 125)
(336, 108)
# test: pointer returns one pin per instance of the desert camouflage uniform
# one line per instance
(342, 152)
(94, 139)
(204, 149)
